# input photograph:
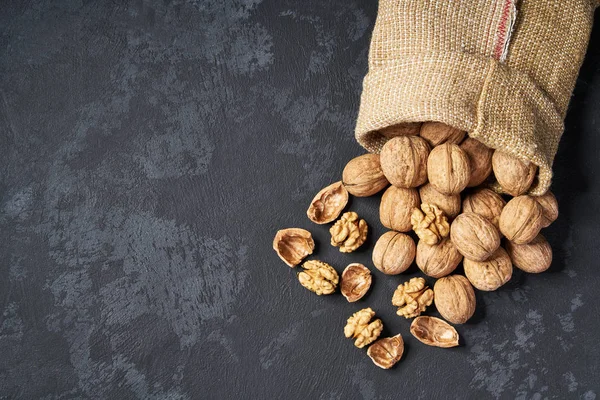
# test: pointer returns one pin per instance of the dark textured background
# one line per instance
(150, 150)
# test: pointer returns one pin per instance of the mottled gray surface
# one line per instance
(149, 152)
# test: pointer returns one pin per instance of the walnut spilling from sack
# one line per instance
(412, 298)
(360, 327)
(349, 232)
(318, 277)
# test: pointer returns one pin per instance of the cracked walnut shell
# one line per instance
(514, 175)
(360, 327)
(363, 177)
(292, 245)
(490, 274)
(404, 161)
(454, 298)
(533, 257)
(396, 208)
(475, 237)
(349, 232)
(356, 281)
(436, 133)
(449, 204)
(437, 260)
(393, 253)
(486, 203)
(386, 352)
(521, 219)
(430, 223)
(318, 277)
(412, 297)
(433, 331)
(328, 203)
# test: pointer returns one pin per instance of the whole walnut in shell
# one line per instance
(292, 245)
(515, 176)
(454, 298)
(475, 237)
(328, 203)
(356, 281)
(490, 274)
(393, 253)
(396, 208)
(430, 223)
(404, 161)
(521, 219)
(363, 176)
(436, 133)
(448, 169)
(449, 204)
(437, 260)
(349, 232)
(433, 331)
(549, 208)
(486, 203)
(406, 129)
(386, 352)
(480, 159)
(533, 257)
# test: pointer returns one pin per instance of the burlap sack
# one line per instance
(500, 69)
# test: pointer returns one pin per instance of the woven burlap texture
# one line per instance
(433, 60)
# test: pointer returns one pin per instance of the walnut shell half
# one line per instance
(328, 203)
(356, 281)
(386, 352)
(292, 245)
(434, 332)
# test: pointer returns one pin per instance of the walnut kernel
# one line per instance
(430, 223)
(349, 232)
(318, 277)
(360, 327)
(412, 297)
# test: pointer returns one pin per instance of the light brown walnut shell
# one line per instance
(454, 298)
(292, 245)
(480, 160)
(412, 297)
(349, 232)
(549, 208)
(449, 204)
(521, 219)
(475, 237)
(386, 352)
(360, 327)
(515, 176)
(436, 133)
(430, 223)
(393, 253)
(438, 260)
(356, 281)
(433, 331)
(533, 257)
(396, 208)
(404, 161)
(406, 129)
(490, 274)
(318, 277)
(448, 169)
(328, 203)
(363, 176)
(486, 203)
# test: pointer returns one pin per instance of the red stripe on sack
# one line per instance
(503, 29)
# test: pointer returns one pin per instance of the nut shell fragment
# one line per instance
(475, 237)
(454, 298)
(433, 331)
(533, 257)
(292, 245)
(360, 327)
(318, 277)
(412, 297)
(430, 223)
(356, 281)
(328, 203)
(386, 352)
(363, 177)
(349, 232)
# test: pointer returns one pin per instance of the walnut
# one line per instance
(318, 277)
(521, 219)
(533, 257)
(410, 128)
(486, 203)
(475, 237)
(449, 204)
(386, 352)
(549, 208)
(437, 260)
(480, 159)
(356, 281)
(448, 168)
(454, 298)
(490, 274)
(363, 176)
(328, 203)
(412, 297)
(396, 208)
(514, 176)
(360, 327)
(430, 223)
(437, 133)
(393, 253)
(434, 332)
(293, 245)
(404, 161)
(349, 232)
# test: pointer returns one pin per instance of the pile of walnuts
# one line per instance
(464, 202)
